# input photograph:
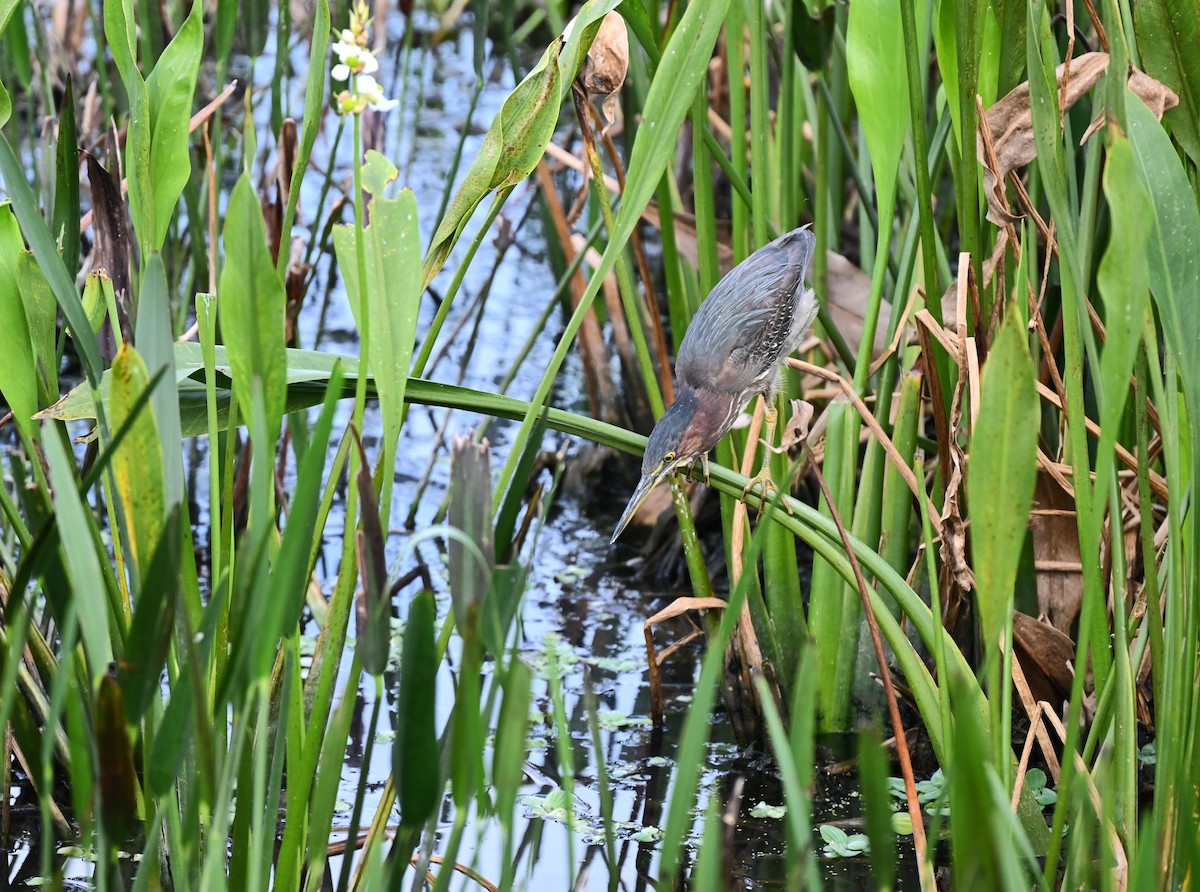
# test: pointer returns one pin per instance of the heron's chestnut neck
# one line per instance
(709, 411)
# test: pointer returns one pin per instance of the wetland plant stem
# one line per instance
(910, 786)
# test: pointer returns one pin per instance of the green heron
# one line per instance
(732, 352)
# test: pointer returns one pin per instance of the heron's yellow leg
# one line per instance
(763, 480)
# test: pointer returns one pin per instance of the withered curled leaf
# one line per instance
(603, 71)
(1010, 122)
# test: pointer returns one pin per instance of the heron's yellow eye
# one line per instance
(670, 456)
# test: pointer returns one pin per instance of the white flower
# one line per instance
(354, 59)
(347, 35)
(369, 89)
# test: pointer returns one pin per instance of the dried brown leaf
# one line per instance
(1010, 122)
(1046, 656)
(603, 71)
(795, 431)
(112, 247)
(1056, 553)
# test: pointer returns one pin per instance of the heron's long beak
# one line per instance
(647, 483)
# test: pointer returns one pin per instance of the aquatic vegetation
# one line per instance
(980, 494)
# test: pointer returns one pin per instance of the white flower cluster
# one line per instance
(358, 65)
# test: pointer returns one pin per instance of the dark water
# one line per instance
(583, 606)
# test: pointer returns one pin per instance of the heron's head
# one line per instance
(681, 436)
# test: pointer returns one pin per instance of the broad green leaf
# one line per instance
(66, 181)
(6, 10)
(95, 302)
(1168, 34)
(983, 849)
(1002, 473)
(120, 35)
(1174, 250)
(251, 306)
(519, 134)
(393, 253)
(152, 630)
(18, 381)
(160, 109)
(83, 566)
(415, 750)
(878, 80)
(994, 58)
(170, 88)
(138, 463)
(33, 227)
(41, 315)
(290, 577)
(1011, 19)
(510, 151)
(1123, 278)
(156, 345)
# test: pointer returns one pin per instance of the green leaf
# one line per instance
(1174, 254)
(97, 288)
(1011, 17)
(1123, 279)
(251, 306)
(18, 381)
(150, 634)
(879, 82)
(1168, 33)
(1002, 473)
(877, 808)
(518, 136)
(120, 35)
(170, 87)
(66, 179)
(500, 606)
(33, 227)
(510, 151)
(7, 7)
(156, 345)
(137, 464)
(83, 566)
(290, 574)
(415, 759)
(160, 108)
(508, 755)
(393, 251)
(41, 314)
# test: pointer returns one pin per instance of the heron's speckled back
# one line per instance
(751, 321)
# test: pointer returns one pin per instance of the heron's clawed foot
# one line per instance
(767, 488)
